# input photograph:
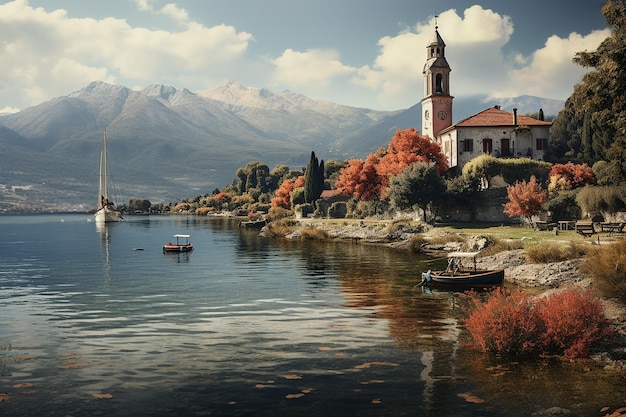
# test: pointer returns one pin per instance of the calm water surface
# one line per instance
(244, 326)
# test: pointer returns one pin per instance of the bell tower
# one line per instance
(437, 101)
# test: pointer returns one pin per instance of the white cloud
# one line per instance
(397, 71)
(171, 9)
(549, 71)
(314, 67)
(47, 53)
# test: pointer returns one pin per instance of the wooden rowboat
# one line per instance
(459, 275)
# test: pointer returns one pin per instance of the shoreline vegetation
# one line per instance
(540, 262)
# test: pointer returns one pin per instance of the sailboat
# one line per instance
(106, 208)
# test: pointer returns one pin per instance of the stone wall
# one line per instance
(487, 208)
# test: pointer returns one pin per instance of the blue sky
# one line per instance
(362, 53)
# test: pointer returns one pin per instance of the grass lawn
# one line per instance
(521, 233)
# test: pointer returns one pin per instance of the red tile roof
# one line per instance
(493, 117)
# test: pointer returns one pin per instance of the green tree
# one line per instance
(592, 126)
(254, 175)
(139, 204)
(417, 186)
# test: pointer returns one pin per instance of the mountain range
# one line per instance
(167, 143)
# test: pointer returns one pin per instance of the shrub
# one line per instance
(313, 234)
(607, 267)
(501, 246)
(554, 252)
(280, 228)
(505, 323)
(573, 322)
(563, 206)
(338, 210)
(277, 212)
(568, 323)
(416, 243)
(203, 211)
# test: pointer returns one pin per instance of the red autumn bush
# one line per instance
(573, 321)
(505, 323)
(568, 323)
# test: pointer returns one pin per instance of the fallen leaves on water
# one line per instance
(373, 381)
(74, 364)
(471, 398)
(4, 398)
(102, 396)
(23, 385)
(292, 376)
(292, 396)
(620, 412)
(376, 401)
(20, 358)
(497, 370)
(370, 364)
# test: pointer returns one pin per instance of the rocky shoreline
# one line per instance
(543, 278)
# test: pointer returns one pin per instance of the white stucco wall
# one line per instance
(521, 142)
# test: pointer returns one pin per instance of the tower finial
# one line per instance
(436, 25)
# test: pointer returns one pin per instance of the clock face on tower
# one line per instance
(443, 115)
(427, 114)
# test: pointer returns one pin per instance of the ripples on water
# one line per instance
(242, 326)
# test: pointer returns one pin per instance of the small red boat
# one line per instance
(182, 244)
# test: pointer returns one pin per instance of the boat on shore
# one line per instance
(459, 275)
(253, 224)
(106, 211)
(182, 244)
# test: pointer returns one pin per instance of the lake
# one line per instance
(98, 321)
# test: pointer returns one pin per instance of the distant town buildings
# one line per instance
(492, 131)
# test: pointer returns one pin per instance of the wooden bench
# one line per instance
(612, 227)
(585, 228)
(542, 225)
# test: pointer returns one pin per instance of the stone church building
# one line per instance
(492, 131)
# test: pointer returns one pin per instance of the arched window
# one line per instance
(439, 84)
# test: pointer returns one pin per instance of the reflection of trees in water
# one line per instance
(251, 247)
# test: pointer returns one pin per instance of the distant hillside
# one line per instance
(167, 143)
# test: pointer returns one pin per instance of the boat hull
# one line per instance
(177, 248)
(254, 224)
(469, 279)
(105, 215)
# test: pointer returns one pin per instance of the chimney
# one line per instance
(514, 118)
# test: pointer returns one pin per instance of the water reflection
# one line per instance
(252, 327)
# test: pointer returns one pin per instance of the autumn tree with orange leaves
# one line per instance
(360, 179)
(283, 194)
(569, 176)
(525, 199)
(369, 180)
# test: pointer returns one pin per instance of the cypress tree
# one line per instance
(313, 179)
(309, 179)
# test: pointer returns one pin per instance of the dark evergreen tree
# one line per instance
(313, 179)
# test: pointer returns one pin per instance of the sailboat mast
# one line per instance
(105, 183)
